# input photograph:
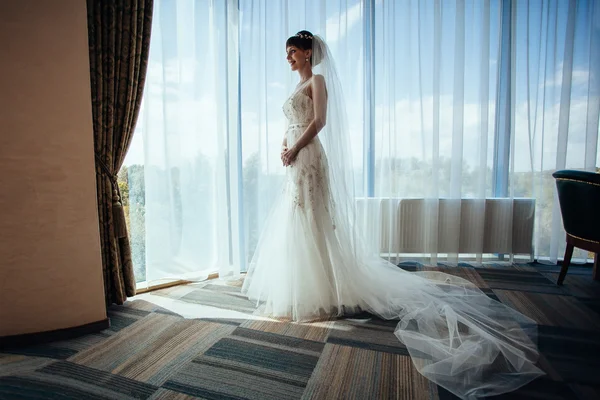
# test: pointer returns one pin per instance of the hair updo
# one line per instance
(302, 40)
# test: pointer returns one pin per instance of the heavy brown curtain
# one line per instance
(119, 40)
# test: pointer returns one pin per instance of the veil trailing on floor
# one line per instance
(456, 335)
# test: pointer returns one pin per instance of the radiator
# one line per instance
(465, 226)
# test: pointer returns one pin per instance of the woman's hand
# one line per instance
(288, 155)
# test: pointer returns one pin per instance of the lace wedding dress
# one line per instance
(294, 267)
(309, 264)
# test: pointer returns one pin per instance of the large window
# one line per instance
(446, 99)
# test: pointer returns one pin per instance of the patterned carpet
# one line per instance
(152, 352)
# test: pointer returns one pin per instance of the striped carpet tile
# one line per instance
(215, 383)
(154, 348)
(61, 350)
(540, 389)
(352, 373)
(576, 284)
(140, 307)
(508, 279)
(120, 317)
(113, 382)
(264, 356)
(226, 321)
(231, 301)
(551, 310)
(591, 304)
(281, 341)
(573, 353)
(585, 392)
(229, 367)
(249, 365)
(315, 331)
(15, 364)
(66, 380)
(223, 288)
(227, 372)
(165, 394)
(371, 334)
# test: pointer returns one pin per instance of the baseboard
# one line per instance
(171, 284)
(53, 336)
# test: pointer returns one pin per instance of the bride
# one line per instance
(311, 263)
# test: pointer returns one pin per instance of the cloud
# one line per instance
(408, 131)
(401, 132)
(579, 76)
(338, 24)
(277, 85)
(545, 136)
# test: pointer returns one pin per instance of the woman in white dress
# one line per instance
(311, 262)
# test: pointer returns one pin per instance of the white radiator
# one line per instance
(465, 226)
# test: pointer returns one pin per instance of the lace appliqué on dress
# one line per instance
(307, 183)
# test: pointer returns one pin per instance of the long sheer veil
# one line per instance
(335, 139)
(456, 335)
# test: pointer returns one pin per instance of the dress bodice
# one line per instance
(298, 109)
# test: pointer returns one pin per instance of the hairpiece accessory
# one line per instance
(303, 36)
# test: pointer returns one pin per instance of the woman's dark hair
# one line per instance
(302, 40)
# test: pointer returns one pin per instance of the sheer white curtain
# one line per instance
(556, 106)
(205, 159)
(478, 100)
(186, 145)
(435, 88)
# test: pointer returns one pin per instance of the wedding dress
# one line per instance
(310, 263)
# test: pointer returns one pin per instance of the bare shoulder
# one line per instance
(318, 79)
(318, 83)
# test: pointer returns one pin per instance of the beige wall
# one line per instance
(50, 265)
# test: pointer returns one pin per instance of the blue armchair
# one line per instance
(579, 198)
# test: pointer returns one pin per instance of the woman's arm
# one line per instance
(319, 97)
(284, 149)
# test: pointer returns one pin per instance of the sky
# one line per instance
(211, 65)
